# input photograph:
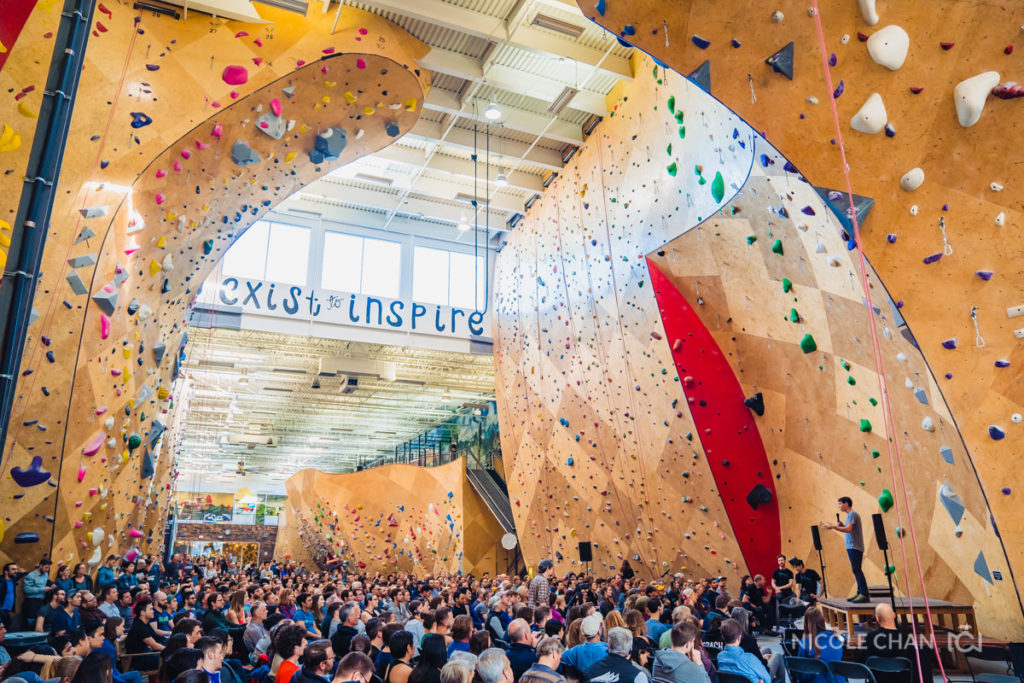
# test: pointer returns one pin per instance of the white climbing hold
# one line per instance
(889, 47)
(812, 100)
(819, 247)
(996, 187)
(969, 96)
(144, 312)
(1001, 219)
(845, 39)
(958, 532)
(777, 17)
(168, 263)
(1016, 418)
(927, 424)
(871, 118)
(913, 210)
(868, 11)
(908, 384)
(109, 423)
(912, 179)
(901, 357)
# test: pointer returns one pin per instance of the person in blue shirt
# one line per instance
(583, 656)
(106, 576)
(63, 579)
(8, 592)
(734, 659)
(68, 619)
(113, 631)
(853, 537)
(652, 613)
(304, 614)
(127, 580)
(819, 643)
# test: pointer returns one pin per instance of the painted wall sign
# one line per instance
(342, 308)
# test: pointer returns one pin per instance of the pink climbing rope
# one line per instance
(895, 461)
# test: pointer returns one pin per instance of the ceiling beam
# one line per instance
(509, 78)
(464, 167)
(496, 30)
(511, 151)
(512, 118)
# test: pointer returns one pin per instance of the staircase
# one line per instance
(491, 488)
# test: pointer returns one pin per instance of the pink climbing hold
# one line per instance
(81, 473)
(360, 63)
(241, 34)
(160, 198)
(257, 60)
(177, 166)
(104, 326)
(185, 154)
(257, 42)
(328, 50)
(363, 31)
(301, 62)
(93, 447)
(1008, 90)
(275, 106)
(217, 131)
(78, 524)
(234, 94)
(235, 75)
(100, 411)
(264, 124)
(135, 533)
(160, 173)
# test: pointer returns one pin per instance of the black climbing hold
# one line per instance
(755, 403)
(702, 76)
(782, 61)
(759, 495)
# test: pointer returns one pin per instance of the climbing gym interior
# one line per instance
(443, 286)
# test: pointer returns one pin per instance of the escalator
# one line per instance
(490, 486)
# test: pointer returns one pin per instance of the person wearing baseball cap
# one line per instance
(539, 593)
(583, 656)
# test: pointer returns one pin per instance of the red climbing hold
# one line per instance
(947, 46)
(235, 75)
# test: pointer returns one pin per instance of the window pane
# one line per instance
(343, 260)
(430, 276)
(463, 281)
(288, 254)
(247, 256)
(382, 265)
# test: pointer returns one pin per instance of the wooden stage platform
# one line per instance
(844, 616)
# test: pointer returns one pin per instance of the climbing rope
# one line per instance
(894, 454)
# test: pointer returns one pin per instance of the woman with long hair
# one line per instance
(613, 619)
(236, 608)
(433, 656)
(574, 634)
(479, 641)
(286, 604)
(80, 579)
(818, 642)
(638, 627)
(63, 579)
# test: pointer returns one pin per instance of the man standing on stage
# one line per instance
(853, 529)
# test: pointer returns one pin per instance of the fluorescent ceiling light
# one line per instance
(566, 28)
(562, 101)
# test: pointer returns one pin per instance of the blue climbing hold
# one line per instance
(27, 537)
(701, 42)
(996, 433)
(600, 7)
(139, 119)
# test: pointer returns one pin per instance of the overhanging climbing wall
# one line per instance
(935, 86)
(424, 520)
(185, 132)
(609, 385)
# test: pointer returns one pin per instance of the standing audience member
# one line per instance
(521, 654)
(539, 592)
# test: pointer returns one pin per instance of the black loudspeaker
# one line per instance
(585, 553)
(883, 544)
(816, 537)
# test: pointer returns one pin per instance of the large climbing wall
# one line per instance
(687, 375)
(912, 76)
(392, 518)
(184, 133)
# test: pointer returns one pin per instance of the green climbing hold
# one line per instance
(672, 103)
(794, 317)
(751, 239)
(718, 187)
(668, 150)
(865, 425)
(682, 131)
(777, 247)
(873, 401)
(807, 344)
(851, 381)
(846, 366)
(673, 168)
(134, 441)
(875, 454)
(679, 116)
(885, 500)
(890, 570)
(787, 284)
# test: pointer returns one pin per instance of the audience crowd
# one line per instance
(201, 620)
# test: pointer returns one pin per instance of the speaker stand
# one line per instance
(888, 575)
(821, 564)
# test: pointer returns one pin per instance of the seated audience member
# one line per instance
(772, 661)
(212, 657)
(889, 641)
(433, 656)
(807, 579)
(342, 639)
(184, 659)
(682, 662)
(214, 615)
(735, 660)
(493, 666)
(190, 628)
(583, 656)
(456, 671)
(142, 638)
(616, 666)
(317, 662)
(545, 669)
(290, 644)
(255, 630)
(462, 629)
(521, 654)
(54, 600)
(819, 643)
(402, 652)
(355, 667)
(479, 641)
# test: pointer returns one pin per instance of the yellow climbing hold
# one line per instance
(349, 97)
(410, 104)
(368, 111)
(162, 393)
(9, 140)
(127, 352)
(24, 110)
(290, 157)
(162, 242)
(303, 128)
(3, 49)
(330, 84)
(326, 99)
(155, 267)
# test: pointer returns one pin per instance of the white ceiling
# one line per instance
(481, 51)
(247, 386)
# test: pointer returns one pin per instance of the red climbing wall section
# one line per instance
(725, 427)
